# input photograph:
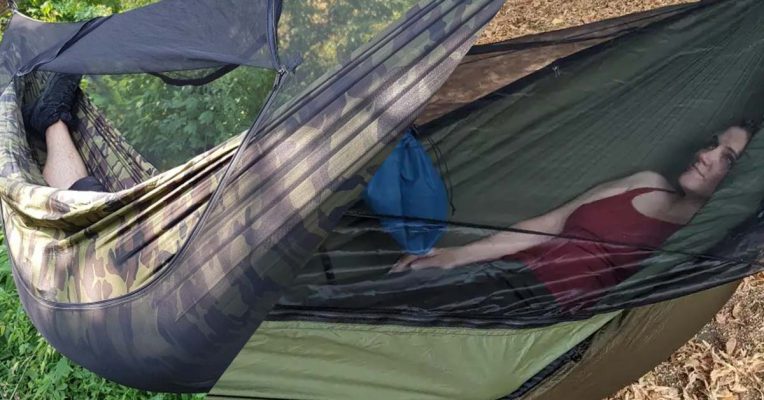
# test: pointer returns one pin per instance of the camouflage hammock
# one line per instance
(100, 271)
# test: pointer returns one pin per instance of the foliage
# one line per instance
(325, 32)
(167, 124)
(67, 10)
(75, 10)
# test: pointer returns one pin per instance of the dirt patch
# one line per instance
(725, 361)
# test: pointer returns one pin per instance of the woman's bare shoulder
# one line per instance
(611, 188)
(633, 181)
(647, 179)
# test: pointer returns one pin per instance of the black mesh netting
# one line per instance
(629, 118)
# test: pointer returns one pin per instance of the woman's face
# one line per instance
(712, 163)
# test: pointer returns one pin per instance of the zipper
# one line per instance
(415, 319)
(274, 13)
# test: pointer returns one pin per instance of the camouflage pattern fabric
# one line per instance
(96, 271)
(85, 247)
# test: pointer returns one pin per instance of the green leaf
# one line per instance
(61, 370)
(46, 9)
(207, 117)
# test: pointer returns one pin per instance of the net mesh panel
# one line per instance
(321, 34)
(170, 124)
(488, 68)
(646, 101)
(326, 34)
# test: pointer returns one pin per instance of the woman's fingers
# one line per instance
(404, 263)
(437, 258)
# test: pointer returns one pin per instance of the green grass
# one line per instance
(31, 369)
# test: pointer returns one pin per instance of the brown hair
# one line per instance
(749, 125)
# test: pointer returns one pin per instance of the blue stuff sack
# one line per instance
(408, 185)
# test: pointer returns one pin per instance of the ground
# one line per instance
(725, 361)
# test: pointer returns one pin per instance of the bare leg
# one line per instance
(64, 166)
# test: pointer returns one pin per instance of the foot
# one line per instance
(54, 104)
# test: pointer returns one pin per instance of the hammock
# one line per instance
(162, 282)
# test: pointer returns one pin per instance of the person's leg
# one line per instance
(50, 118)
(64, 166)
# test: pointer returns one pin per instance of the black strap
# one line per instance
(326, 261)
(217, 74)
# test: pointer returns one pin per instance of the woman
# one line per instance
(598, 239)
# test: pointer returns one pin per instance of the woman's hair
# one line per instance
(749, 125)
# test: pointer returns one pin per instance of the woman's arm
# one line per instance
(494, 246)
(505, 243)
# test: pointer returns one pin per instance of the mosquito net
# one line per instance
(630, 119)
(175, 93)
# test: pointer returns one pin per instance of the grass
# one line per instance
(31, 369)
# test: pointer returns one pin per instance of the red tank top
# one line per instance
(572, 268)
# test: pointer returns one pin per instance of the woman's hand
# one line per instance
(445, 258)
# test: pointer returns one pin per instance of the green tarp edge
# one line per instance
(308, 360)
